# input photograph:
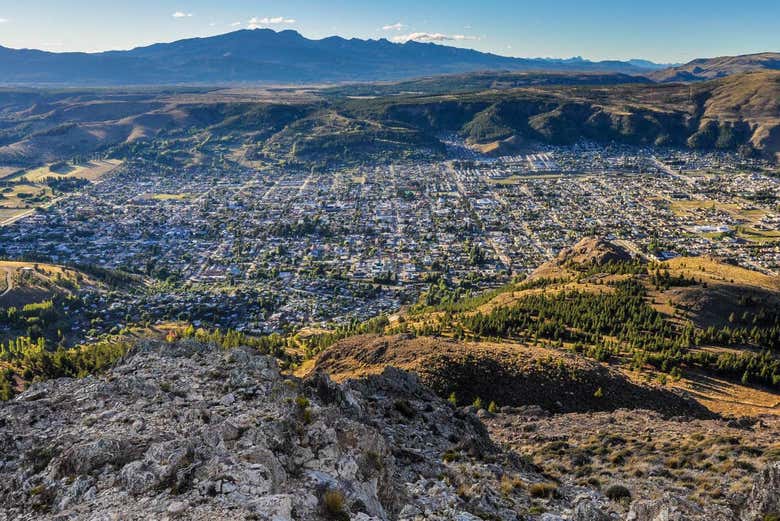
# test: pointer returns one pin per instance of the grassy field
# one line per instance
(168, 197)
(693, 207)
(91, 171)
(519, 179)
(760, 236)
(27, 189)
(10, 213)
(18, 195)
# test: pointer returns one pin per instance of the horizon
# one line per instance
(594, 31)
(443, 44)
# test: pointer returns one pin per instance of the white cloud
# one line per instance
(394, 27)
(181, 14)
(235, 24)
(3, 20)
(255, 22)
(432, 37)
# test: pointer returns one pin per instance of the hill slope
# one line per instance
(188, 431)
(738, 113)
(509, 374)
(594, 319)
(711, 68)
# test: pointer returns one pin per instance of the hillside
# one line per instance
(186, 430)
(25, 283)
(383, 121)
(711, 68)
(479, 81)
(508, 374)
(738, 112)
(594, 318)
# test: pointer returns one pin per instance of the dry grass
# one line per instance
(642, 451)
(27, 282)
(91, 171)
(697, 209)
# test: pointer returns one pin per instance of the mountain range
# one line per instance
(264, 55)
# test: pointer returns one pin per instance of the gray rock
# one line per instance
(764, 498)
(672, 508)
(589, 511)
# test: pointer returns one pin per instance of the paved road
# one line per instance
(17, 217)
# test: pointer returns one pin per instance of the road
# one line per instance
(17, 217)
(9, 284)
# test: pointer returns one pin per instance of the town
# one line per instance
(282, 247)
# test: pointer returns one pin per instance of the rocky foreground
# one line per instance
(186, 431)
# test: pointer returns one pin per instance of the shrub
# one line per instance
(599, 393)
(450, 456)
(453, 399)
(477, 403)
(543, 490)
(333, 502)
(405, 408)
(492, 408)
(509, 484)
(617, 492)
(773, 454)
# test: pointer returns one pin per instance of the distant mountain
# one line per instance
(264, 55)
(386, 121)
(711, 68)
(647, 64)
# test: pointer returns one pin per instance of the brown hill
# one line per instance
(737, 113)
(593, 251)
(597, 316)
(24, 283)
(509, 374)
(711, 68)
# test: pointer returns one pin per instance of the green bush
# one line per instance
(617, 492)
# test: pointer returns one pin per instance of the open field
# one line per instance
(91, 171)
(759, 236)
(695, 208)
(9, 215)
(728, 398)
(26, 190)
(168, 197)
(24, 196)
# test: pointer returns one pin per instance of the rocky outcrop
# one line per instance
(671, 508)
(593, 251)
(187, 431)
(764, 499)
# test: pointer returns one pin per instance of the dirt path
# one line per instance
(9, 284)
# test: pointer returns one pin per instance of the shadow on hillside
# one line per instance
(552, 389)
(508, 375)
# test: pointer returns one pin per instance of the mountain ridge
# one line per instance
(702, 69)
(263, 55)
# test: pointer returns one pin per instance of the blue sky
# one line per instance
(661, 30)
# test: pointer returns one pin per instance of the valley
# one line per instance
(262, 276)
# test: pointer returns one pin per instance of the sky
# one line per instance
(665, 31)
